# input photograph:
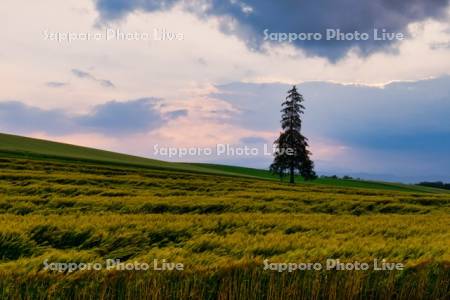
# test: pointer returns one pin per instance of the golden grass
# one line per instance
(220, 228)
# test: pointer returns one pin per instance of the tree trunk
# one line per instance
(292, 175)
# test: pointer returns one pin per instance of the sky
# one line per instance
(145, 76)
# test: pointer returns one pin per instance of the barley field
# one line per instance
(223, 229)
(219, 227)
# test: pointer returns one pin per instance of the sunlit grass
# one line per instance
(220, 227)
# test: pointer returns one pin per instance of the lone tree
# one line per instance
(292, 153)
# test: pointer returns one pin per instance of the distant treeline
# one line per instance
(437, 184)
(345, 177)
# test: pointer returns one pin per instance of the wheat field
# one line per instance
(221, 228)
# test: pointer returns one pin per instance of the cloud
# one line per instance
(254, 104)
(56, 84)
(123, 117)
(106, 83)
(112, 118)
(248, 19)
(177, 113)
(115, 9)
(253, 140)
(82, 74)
(21, 118)
(445, 45)
(202, 61)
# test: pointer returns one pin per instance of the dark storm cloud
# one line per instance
(86, 75)
(254, 16)
(111, 118)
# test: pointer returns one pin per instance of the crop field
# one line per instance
(222, 228)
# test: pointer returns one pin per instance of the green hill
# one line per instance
(19, 146)
(353, 183)
(13, 145)
(62, 203)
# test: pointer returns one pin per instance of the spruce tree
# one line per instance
(292, 155)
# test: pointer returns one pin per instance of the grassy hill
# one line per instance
(63, 203)
(350, 183)
(18, 146)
